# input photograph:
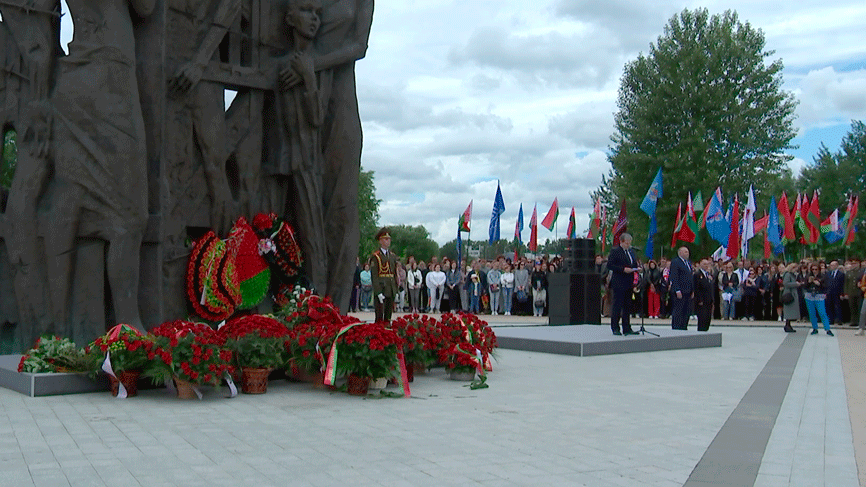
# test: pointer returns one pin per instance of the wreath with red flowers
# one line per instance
(212, 282)
(285, 254)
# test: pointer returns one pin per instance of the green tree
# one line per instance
(409, 240)
(368, 213)
(704, 106)
(837, 176)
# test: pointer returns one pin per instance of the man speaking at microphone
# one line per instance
(623, 264)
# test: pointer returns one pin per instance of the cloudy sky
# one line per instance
(456, 95)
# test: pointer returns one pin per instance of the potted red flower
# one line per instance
(190, 354)
(258, 345)
(422, 337)
(121, 353)
(469, 343)
(366, 351)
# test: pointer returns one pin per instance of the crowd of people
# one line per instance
(500, 286)
(814, 290)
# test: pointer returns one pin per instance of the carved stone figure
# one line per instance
(100, 153)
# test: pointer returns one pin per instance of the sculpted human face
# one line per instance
(305, 16)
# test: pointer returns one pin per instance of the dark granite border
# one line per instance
(35, 385)
(734, 457)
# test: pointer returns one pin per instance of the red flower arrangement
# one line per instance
(212, 284)
(257, 341)
(189, 351)
(465, 338)
(422, 336)
(310, 342)
(286, 254)
(368, 350)
(129, 349)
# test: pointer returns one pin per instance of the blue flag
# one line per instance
(498, 210)
(648, 205)
(459, 249)
(518, 228)
(774, 228)
(717, 225)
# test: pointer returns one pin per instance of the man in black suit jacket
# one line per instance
(623, 264)
(682, 284)
(835, 288)
(704, 286)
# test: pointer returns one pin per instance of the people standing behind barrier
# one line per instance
(664, 295)
(861, 284)
(790, 296)
(729, 282)
(356, 286)
(435, 287)
(778, 289)
(452, 286)
(651, 285)
(835, 288)
(494, 285)
(762, 311)
(413, 283)
(400, 301)
(704, 287)
(750, 295)
(815, 292)
(425, 295)
(464, 294)
(522, 288)
(366, 288)
(507, 281)
(474, 292)
(739, 305)
(853, 275)
(538, 280)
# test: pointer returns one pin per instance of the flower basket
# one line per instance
(313, 326)
(422, 337)
(123, 348)
(188, 352)
(368, 350)
(357, 385)
(465, 333)
(255, 380)
(129, 380)
(256, 341)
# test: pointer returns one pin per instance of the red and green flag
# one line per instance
(851, 214)
(813, 220)
(571, 232)
(788, 220)
(595, 225)
(552, 214)
(465, 218)
(533, 231)
(734, 237)
(692, 221)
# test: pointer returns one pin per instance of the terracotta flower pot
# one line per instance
(255, 380)
(129, 379)
(185, 389)
(357, 386)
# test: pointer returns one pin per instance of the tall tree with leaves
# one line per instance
(705, 107)
(368, 213)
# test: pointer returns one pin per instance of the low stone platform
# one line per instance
(587, 340)
(48, 384)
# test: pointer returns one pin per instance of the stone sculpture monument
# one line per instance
(126, 151)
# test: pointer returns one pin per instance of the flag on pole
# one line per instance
(774, 227)
(700, 210)
(465, 219)
(800, 217)
(813, 220)
(498, 210)
(648, 205)
(533, 231)
(748, 222)
(831, 228)
(787, 219)
(621, 225)
(760, 225)
(692, 221)
(551, 217)
(459, 246)
(717, 226)
(595, 225)
(603, 228)
(518, 230)
(678, 225)
(734, 238)
(571, 232)
(853, 204)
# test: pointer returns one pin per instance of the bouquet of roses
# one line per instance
(422, 337)
(368, 350)
(127, 348)
(189, 351)
(55, 354)
(466, 333)
(256, 341)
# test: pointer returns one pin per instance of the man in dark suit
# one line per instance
(383, 271)
(682, 284)
(835, 287)
(623, 265)
(705, 287)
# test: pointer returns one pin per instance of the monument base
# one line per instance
(587, 340)
(46, 384)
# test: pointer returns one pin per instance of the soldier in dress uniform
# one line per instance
(383, 271)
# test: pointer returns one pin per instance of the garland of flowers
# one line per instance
(254, 275)
(212, 283)
(285, 252)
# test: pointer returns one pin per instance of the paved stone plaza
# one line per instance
(640, 419)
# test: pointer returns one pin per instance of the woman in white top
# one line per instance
(435, 287)
(413, 282)
(507, 280)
